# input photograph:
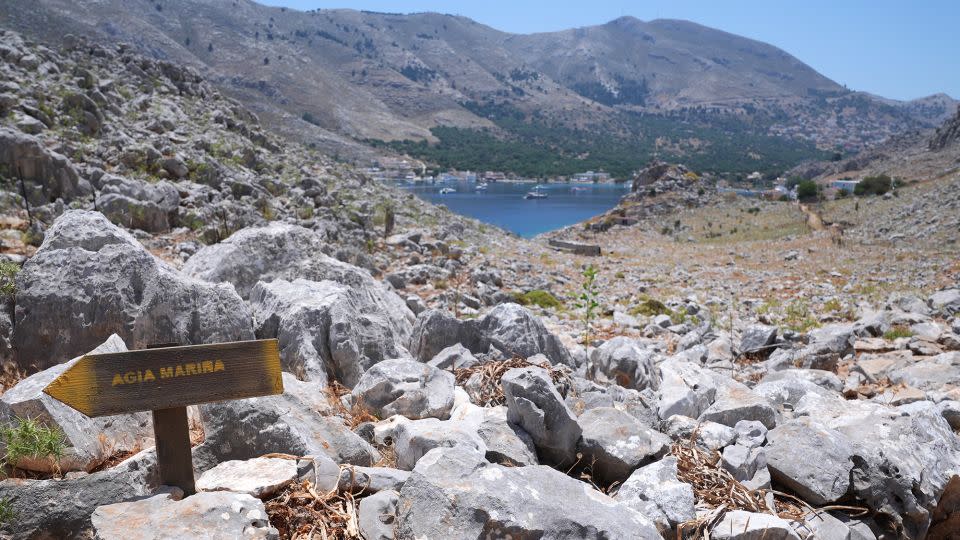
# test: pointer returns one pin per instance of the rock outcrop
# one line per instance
(90, 279)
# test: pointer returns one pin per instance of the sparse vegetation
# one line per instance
(7, 514)
(539, 298)
(807, 190)
(8, 274)
(29, 438)
(873, 185)
(588, 300)
(897, 332)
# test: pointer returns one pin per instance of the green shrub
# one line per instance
(6, 512)
(8, 274)
(807, 189)
(873, 185)
(538, 298)
(897, 332)
(651, 308)
(28, 438)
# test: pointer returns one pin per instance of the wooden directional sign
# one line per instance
(151, 379)
(165, 380)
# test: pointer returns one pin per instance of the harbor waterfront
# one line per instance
(503, 203)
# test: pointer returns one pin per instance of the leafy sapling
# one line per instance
(588, 301)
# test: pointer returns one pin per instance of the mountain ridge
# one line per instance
(340, 77)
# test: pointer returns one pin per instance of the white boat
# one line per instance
(535, 194)
(447, 190)
(481, 187)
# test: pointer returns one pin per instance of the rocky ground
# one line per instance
(743, 377)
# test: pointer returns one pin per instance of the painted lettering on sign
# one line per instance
(168, 372)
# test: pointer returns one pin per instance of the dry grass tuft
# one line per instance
(489, 392)
(300, 513)
(715, 488)
(355, 415)
(10, 375)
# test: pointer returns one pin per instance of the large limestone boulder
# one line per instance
(686, 389)
(48, 176)
(516, 331)
(61, 508)
(508, 328)
(534, 404)
(455, 489)
(812, 460)
(918, 445)
(91, 279)
(217, 515)
(656, 492)
(297, 422)
(90, 441)
(284, 251)
(406, 387)
(414, 439)
(329, 330)
(136, 204)
(617, 444)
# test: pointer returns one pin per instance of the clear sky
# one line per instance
(899, 49)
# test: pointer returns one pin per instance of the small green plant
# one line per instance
(833, 305)
(27, 437)
(679, 316)
(8, 274)
(798, 318)
(6, 511)
(897, 332)
(651, 308)
(588, 301)
(538, 298)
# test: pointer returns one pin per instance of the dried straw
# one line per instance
(715, 488)
(300, 513)
(489, 392)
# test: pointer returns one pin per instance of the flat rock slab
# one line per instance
(258, 477)
(455, 493)
(218, 515)
(740, 525)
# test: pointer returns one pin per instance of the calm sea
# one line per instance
(503, 204)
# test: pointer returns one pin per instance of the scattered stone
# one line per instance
(61, 508)
(296, 422)
(377, 515)
(534, 404)
(405, 387)
(617, 444)
(757, 338)
(454, 489)
(327, 330)
(219, 514)
(656, 484)
(414, 439)
(735, 402)
(624, 361)
(741, 525)
(257, 477)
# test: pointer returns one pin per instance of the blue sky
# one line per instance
(897, 49)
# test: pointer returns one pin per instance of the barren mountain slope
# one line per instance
(334, 76)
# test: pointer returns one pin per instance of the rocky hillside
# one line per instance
(338, 76)
(922, 155)
(722, 386)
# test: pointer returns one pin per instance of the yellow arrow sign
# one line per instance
(152, 379)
